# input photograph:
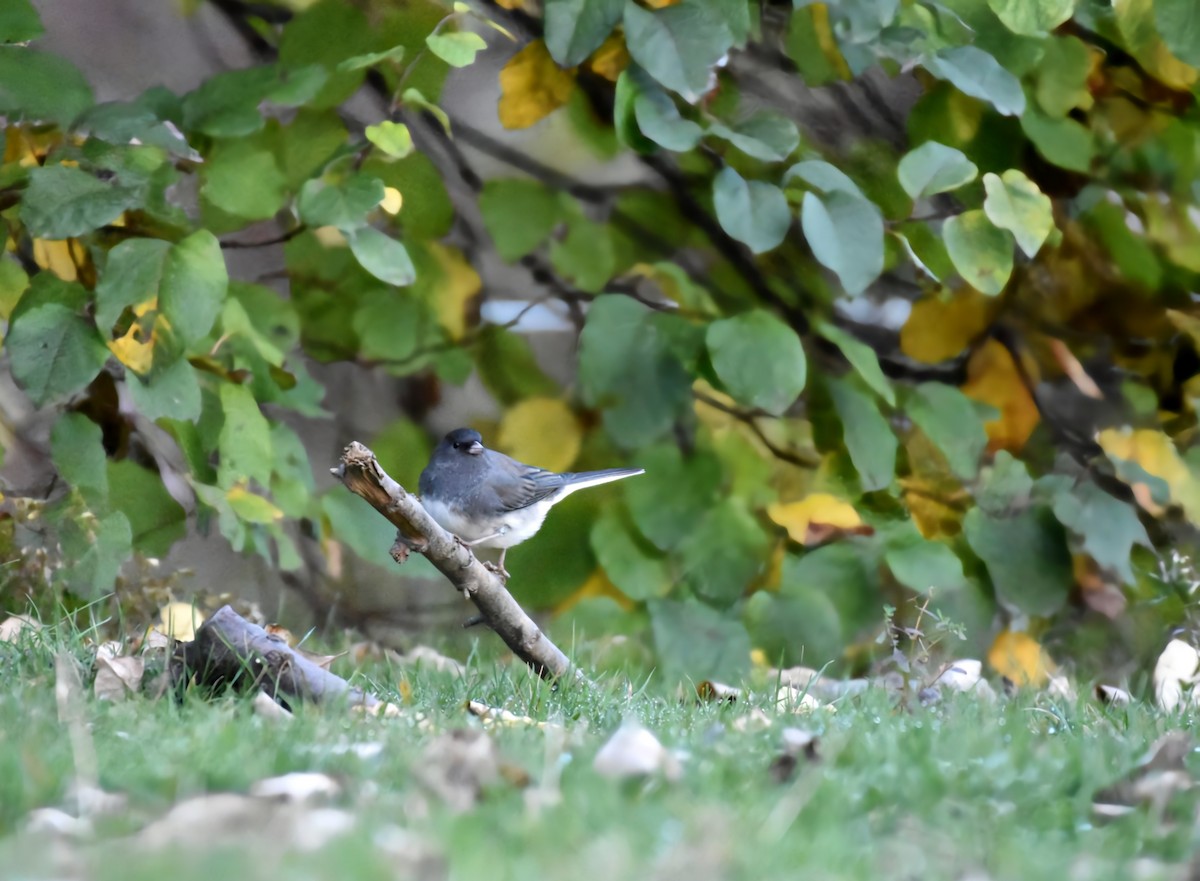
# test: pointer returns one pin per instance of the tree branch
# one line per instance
(360, 472)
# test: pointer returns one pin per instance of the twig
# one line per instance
(750, 418)
(361, 473)
(280, 239)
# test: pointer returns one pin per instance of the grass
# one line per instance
(1001, 790)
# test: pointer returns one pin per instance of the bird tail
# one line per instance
(584, 479)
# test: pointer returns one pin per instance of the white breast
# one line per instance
(507, 531)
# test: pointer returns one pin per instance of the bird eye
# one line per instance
(456, 445)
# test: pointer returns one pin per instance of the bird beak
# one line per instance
(475, 449)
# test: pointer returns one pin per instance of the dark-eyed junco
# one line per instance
(491, 500)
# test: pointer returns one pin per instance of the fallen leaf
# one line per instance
(717, 691)
(755, 720)
(634, 751)
(1175, 670)
(422, 656)
(12, 627)
(231, 818)
(532, 86)
(52, 821)
(280, 632)
(965, 675)
(266, 707)
(1153, 783)
(299, 787)
(1098, 590)
(1113, 696)
(818, 518)
(497, 716)
(117, 678)
(458, 766)
(1020, 658)
(797, 743)
(798, 700)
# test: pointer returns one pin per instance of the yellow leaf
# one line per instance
(942, 326)
(1020, 658)
(515, 4)
(179, 621)
(935, 498)
(1135, 20)
(611, 58)
(330, 237)
(828, 42)
(393, 201)
(542, 432)
(660, 4)
(58, 257)
(132, 351)
(818, 518)
(27, 147)
(993, 379)
(597, 585)
(458, 284)
(1154, 452)
(532, 86)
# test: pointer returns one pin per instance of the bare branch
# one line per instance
(362, 474)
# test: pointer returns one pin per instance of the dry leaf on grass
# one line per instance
(422, 656)
(268, 708)
(179, 621)
(1110, 694)
(53, 822)
(497, 716)
(964, 675)
(230, 818)
(798, 743)
(299, 787)
(717, 691)
(1174, 673)
(1156, 779)
(458, 766)
(792, 699)
(15, 627)
(118, 677)
(634, 751)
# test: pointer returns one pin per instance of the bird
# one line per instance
(491, 500)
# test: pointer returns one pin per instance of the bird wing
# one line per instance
(517, 485)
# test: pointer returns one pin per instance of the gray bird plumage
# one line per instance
(491, 500)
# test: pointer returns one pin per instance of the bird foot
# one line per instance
(497, 570)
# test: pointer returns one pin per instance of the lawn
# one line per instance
(964, 788)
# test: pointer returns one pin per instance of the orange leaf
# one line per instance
(1074, 370)
(993, 378)
(818, 518)
(611, 58)
(1021, 659)
(532, 86)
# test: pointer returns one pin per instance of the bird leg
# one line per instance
(498, 568)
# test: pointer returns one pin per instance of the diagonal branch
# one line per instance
(360, 472)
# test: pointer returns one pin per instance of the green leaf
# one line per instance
(671, 498)
(822, 177)
(1026, 557)
(170, 393)
(194, 285)
(251, 507)
(370, 59)
(767, 135)
(1062, 76)
(982, 253)
(574, 29)
(508, 368)
(518, 214)
(327, 33)
(97, 551)
(156, 519)
(292, 484)
(243, 178)
(245, 439)
(1065, 142)
(753, 212)
(678, 45)
(585, 256)
(1178, 23)
(950, 420)
(724, 553)
(846, 236)
(801, 627)
(659, 120)
(1032, 18)
(925, 566)
(393, 138)
(53, 352)
(758, 359)
(626, 367)
(843, 571)
(458, 49)
(382, 256)
(1015, 203)
(869, 438)
(862, 358)
(19, 22)
(344, 205)
(976, 73)
(1108, 526)
(934, 168)
(696, 642)
(131, 276)
(631, 563)
(77, 449)
(226, 105)
(62, 202)
(389, 324)
(41, 86)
